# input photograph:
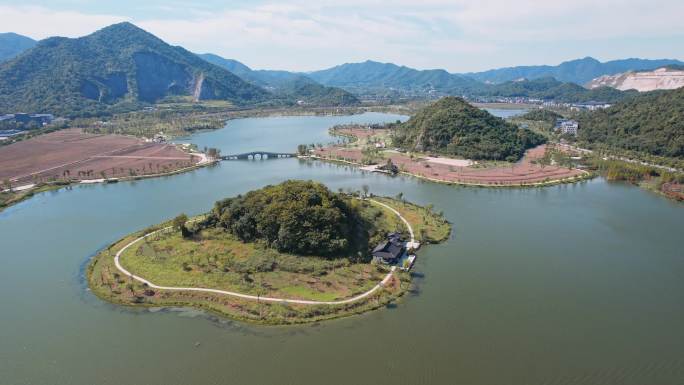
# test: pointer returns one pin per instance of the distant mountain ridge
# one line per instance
(115, 68)
(12, 44)
(372, 74)
(523, 81)
(549, 88)
(579, 71)
(285, 84)
(122, 66)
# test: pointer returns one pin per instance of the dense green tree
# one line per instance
(542, 115)
(652, 123)
(452, 126)
(295, 216)
(302, 149)
(179, 223)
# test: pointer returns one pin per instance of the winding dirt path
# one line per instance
(254, 297)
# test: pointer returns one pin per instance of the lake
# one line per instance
(571, 284)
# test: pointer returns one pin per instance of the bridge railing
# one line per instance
(258, 155)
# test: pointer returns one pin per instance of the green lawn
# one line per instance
(216, 259)
(428, 226)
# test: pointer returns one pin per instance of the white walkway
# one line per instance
(254, 297)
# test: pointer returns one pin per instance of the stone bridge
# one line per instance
(258, 155)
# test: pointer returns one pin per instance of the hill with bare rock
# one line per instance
(666, 78)
(116, 68)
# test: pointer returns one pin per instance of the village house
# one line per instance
(390, 250)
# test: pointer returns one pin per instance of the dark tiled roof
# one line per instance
(390, 249)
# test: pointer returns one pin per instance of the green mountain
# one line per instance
(116, 68)
(551, 89)
(452, 126)
(374, 75)
(308, 91)
(652, 123)
(290, 86)
(12, 44)
(371, 77)
(579, 71)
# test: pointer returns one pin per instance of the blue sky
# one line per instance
(458, 35)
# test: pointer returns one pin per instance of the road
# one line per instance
(381, 284)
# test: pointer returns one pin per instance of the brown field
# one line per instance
(74, 155)
(360, 132)
(524, 172)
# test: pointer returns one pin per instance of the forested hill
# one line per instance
(12, 44)
(454, 127)
(652, 123)
(290, 87)
(117, 67)
(551, 89)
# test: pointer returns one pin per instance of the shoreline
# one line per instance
(229, 304)
(29, 192)
(586, 175)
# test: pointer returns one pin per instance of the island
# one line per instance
(451, 142)
(289, 253)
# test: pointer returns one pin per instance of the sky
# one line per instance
(299, 35)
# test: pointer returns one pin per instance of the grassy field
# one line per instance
(428, 226)
(216, 259)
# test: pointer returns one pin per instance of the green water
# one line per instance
(574, 284)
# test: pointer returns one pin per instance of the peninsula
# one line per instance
(451, 142)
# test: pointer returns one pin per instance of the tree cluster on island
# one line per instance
(297, 217)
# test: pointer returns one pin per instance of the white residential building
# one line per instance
(567, 126)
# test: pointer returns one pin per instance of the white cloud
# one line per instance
(39, 22)
(456, 34)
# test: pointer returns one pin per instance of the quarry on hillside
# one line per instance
(660, 79)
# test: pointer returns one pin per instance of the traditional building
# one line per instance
(390, 250)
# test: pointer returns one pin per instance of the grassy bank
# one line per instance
(216, 259)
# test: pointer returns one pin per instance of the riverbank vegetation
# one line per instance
(307, 243)
(650, 177)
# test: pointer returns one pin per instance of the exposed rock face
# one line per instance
(113, 69)
(105, 89)
(660, 79)
(158, 76)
